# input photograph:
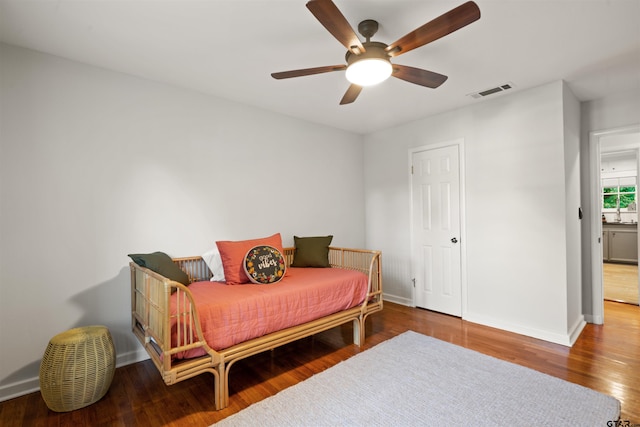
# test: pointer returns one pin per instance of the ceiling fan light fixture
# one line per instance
(368, 62)
(369, 71)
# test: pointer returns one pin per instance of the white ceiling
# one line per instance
(229, 49)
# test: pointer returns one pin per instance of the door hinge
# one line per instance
(411, 169)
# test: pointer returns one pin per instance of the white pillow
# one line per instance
(214, 262)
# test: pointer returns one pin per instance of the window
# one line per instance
(619, 190)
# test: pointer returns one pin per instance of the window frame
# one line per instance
(617, 193)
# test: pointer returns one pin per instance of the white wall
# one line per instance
(95, 165)
(615, 111)
(515, 216)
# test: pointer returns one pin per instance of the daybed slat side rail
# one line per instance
(155, 304)
(147, 311)
(187, 325)
(151, 293)
(188, 330)
(189, 322)
(147, 303)
(195, 267)
(374, 301)
(365, 261)
(140, 313)
(288, 255)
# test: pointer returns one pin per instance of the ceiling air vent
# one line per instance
(491, 91)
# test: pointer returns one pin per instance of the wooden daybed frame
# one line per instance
(151, 319)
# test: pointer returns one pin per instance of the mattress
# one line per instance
(231, 314)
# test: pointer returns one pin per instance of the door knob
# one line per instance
(454, 240)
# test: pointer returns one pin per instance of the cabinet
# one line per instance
(620, 243)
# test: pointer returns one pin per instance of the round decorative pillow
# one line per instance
(264, 265)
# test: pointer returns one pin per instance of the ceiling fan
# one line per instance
(369, 63)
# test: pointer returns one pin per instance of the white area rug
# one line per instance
(416, 380)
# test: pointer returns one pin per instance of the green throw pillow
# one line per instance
(311, 251)
(162, 264)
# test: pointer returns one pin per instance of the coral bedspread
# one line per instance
(231, 314)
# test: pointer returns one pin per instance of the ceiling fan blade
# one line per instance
(418, 76)
(445, 24)
(351, 94)
(307, 71)
(334, 21)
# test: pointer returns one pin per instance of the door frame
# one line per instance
(597, 281)
(459, 142)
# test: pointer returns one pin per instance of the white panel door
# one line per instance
(436, 229)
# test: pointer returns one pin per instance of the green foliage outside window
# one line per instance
(611, 194)
(610, 201)
(626, 199)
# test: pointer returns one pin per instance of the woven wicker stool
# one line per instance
(77, 368)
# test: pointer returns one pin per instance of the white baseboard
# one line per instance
(558, 338)
(567, 340)
(19, 388)
(32, 385)
(575, 332)
(131, 357)
(398, 300)
(596, 320)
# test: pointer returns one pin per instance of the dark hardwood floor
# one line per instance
(605, 358)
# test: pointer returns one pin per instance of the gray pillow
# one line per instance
(162, 264)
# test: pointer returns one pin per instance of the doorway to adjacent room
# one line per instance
(615, 165)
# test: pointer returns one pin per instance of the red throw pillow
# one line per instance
(232, 254)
